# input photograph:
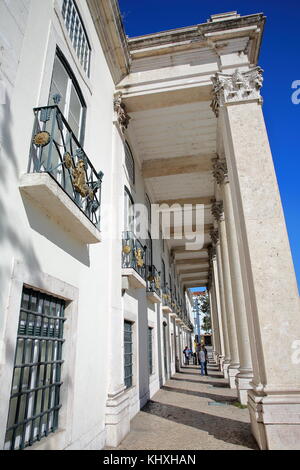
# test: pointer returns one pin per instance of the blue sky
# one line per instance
(280, 59)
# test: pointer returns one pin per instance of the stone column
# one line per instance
(215, 325)
(245, 374)
(233, 369)
(214, 234)
(216, 292)
(272, 299)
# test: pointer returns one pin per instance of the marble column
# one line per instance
(245, 374)
(272, 298)
(216, 294)
(215, 325)
(216, 242)
(233, 369)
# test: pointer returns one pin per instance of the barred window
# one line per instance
(150, 350)
(77, 33)
(129, 163)
(128, 354)
(35, 392)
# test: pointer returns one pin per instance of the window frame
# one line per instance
(131, 365)
(128, 153)
(71, 81)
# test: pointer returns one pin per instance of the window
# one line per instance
(71, 102)
(35, 393)
(77, 33)
(150, 350)
(149, 250)
(163, 273)
(129, 219)
(129, 163)
(128, 354)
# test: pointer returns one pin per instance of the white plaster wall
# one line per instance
(29, 235)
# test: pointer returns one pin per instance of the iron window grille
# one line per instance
(128, 354)
(35, 392)
(150, 350)
(77, 33)
(153, 280)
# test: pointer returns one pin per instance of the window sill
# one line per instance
(49, 196)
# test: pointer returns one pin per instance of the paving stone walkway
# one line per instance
(191, 412)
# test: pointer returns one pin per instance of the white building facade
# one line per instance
(94, 315)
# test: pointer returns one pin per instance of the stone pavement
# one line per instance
(191, 412)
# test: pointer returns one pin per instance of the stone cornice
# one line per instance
(236, 87)
(108, 23)
(251, 25)
(220, 171)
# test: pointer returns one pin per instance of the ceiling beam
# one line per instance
(200, 261)
(182, 249)
(207, 228)
(192, 271)
(194, 279)
(177, 165)
(188, 200)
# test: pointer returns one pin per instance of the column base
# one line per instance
(243, 384)
(233, 370)
(226, 365)
(275, 420)
(117, 418)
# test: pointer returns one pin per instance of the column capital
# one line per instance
(220, 170)
(236, 87)
(120, 109)
(212, 253)
(217, 210)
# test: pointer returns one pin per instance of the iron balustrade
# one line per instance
(133, 254)
(55, 150)
(166, 296)
(153, 280)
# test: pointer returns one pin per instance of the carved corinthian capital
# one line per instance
(120, 109)
(240, 86)
(217, 209)
(220, 172)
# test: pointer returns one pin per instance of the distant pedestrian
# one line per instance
(206, 359)
(202, 360)
(186, 355)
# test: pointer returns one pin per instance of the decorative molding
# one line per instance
(220, 170)
(122, 117)
(214, 235)
(212, 253)
(236, 87)
(217, 209)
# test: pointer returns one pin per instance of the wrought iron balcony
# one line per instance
(153, 280)
(166, 297)
(56, 151)
(133, 254)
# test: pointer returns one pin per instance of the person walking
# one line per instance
(202, 360)
(186, 355)
(206, 359)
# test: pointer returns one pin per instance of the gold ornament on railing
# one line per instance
(139, 258)
(157, 282)
(79, 181)
(68, 162)
(41, 139)
(126, 249)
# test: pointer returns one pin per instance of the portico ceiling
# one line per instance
(175, 145)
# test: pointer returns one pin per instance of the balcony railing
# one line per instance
(153, 280)
(133, 254)
(55, 150)
(166, 297)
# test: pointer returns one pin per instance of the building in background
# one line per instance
(95, 308)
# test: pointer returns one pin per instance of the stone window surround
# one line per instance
(22, 275)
